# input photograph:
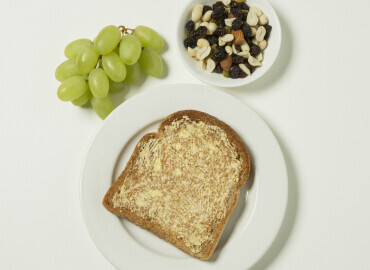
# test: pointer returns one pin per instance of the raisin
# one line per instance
(200, 32)
(218, 69)
(268, 30)
(237, 47)
(221, 21)
(254, 49)
(236, 24)
(237, 59)
(244, 6)
(245, 15)
(219, 55)
(246, 31)
(242, 74)
(191, 33)
(212, 39)
(234, 4)
(237, 13)
(219, 32)
(206, 8)
(217, 4)
(218, 12)
(189, 25)
(190, 42)
(234, 72)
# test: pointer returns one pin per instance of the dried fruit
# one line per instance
(190, 42)
(226, 63)
(189, 25)
(217, 4)
(236, 59)
(212, 39)
(254, 49)
(244, 6)
(238, 37)
(218, 12)
(246, 30)
(230, 15)
(219, 55)
(237, 13)
(200, 32)
(268, 30)
(234, 72)
(234, 4)
(218, 69)
(236, 24)
(206, 8)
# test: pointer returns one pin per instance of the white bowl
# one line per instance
(270, 53)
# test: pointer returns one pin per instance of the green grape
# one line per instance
(116, 87)
(116, 50)
(66, 70)
(148, 37)
(133, 73)
(151, 62)
(87, 58)
(98, 83)
(114, 67)
(103, 107)
(82, 100)
(73, 48)
(107, 39)
(72, 88)
(130, 49)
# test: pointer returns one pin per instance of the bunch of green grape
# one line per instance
(115, 57)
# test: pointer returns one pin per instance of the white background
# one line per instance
(316, 99)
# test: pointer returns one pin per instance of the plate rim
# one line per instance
(163, 87)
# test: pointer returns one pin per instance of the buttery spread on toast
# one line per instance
(181, 180)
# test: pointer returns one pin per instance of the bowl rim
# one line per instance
(230, 83)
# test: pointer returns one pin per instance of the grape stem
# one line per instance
(125, 30)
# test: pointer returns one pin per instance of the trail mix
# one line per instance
(228, 37)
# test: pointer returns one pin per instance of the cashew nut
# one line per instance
(260, 34)
(252, 18)
(196, 14)
(253, 61)
(207, 16)
(210, 65)
(202, 42)
(203, 52)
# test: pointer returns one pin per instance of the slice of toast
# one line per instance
(182, 183)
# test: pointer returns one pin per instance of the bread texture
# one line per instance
(183, 182)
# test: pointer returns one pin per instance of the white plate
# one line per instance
(269, 55)
(252, 226)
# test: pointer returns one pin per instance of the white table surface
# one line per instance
(316, 99)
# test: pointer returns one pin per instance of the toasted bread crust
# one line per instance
(234, 139)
